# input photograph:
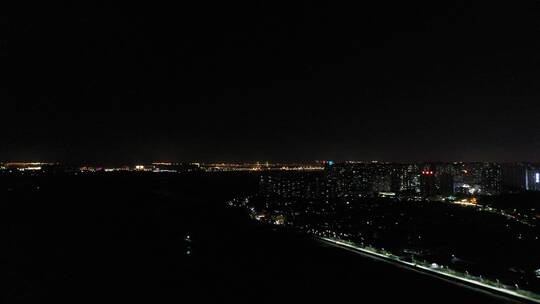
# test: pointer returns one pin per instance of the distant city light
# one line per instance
(31, 168)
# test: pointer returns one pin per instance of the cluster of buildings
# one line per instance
(326, 179)
(424, 180)
(260, 166)
(210, 167)
(152, 167)
(38, 167)
(29, 166)
(157, 167)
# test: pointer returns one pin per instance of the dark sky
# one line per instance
(270, 80)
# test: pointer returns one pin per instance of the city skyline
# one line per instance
(130, 162)
(424, 180)
(257, 151)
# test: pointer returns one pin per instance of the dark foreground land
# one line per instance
(170, 239)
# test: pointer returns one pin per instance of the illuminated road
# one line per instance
(477, 285)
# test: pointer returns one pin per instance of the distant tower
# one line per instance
(533, 179)
(491, 179)
(428, 185)
(446, 183)
(514, 177)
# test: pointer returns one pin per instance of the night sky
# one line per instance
(270, 80)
